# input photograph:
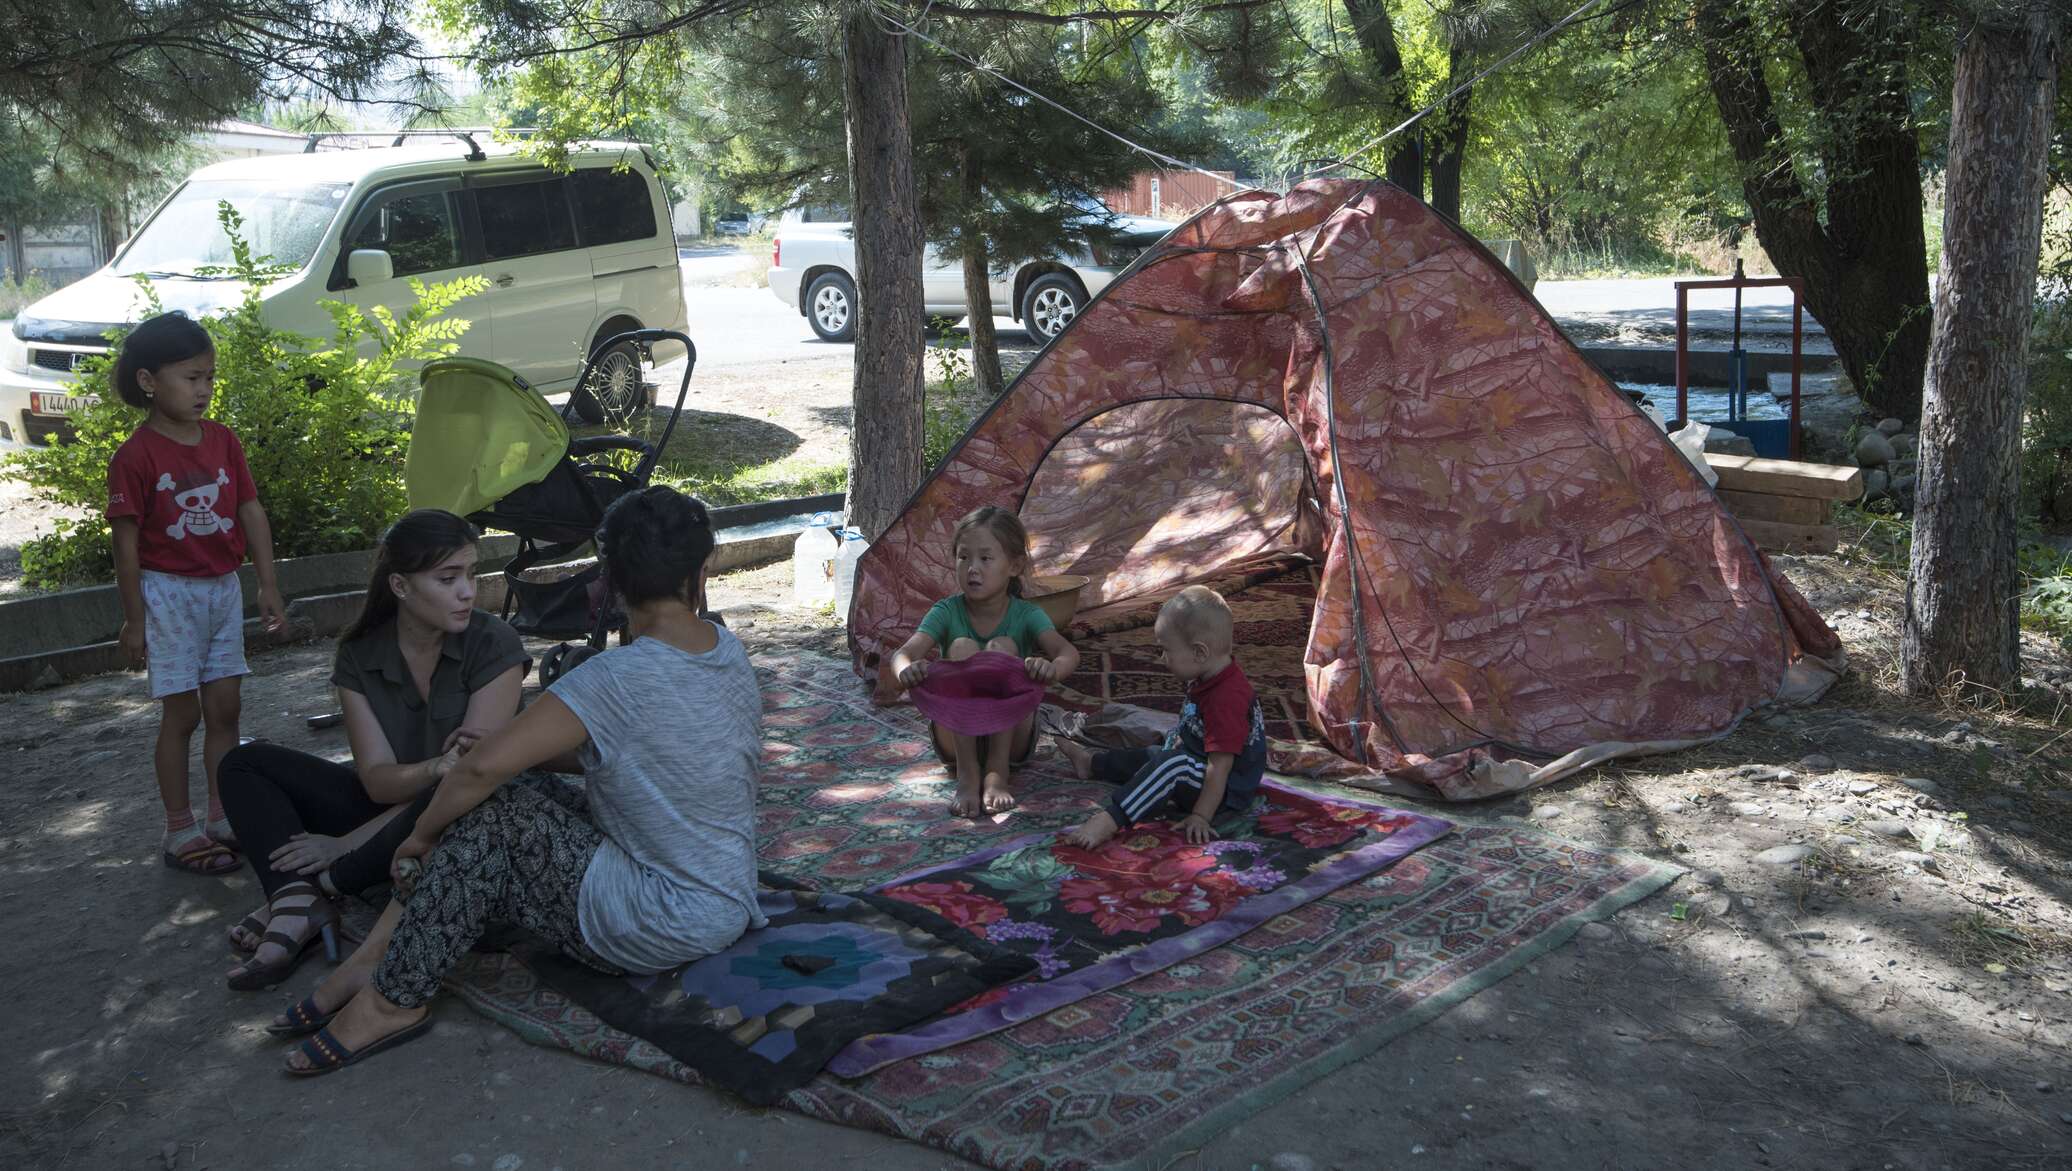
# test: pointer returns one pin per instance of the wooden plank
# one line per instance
(1792, 510)
(1783, 477)
(1784, 538)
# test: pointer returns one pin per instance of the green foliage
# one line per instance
(950, 402)
(324, 421)
(16, 295)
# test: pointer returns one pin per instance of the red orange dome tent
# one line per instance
(1519, 575)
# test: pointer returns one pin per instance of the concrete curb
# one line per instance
(48, 639)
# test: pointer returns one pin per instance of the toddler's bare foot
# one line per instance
(1079, 756)
(968, 802)
(996, 795)
(1093, 831)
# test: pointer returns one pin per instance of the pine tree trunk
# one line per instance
(978, 291)
(1963, 610)
(1376, 34)
(1449, 151)
(885, 435)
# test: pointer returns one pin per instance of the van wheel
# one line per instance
(614, 390)
(1050, 304)
(831, 307)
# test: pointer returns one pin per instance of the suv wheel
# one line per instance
(831, 307)
(1050, 304)
(614, 389)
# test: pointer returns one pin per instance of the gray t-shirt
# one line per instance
(674, 753)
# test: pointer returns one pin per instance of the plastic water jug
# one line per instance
(813, 563)
(846, 558)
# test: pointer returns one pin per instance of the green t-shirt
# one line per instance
(948, 620)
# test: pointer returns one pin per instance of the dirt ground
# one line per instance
(1897, 998)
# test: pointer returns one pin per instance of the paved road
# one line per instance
(1652, 302)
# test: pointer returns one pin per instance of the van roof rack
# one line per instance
(399, 137)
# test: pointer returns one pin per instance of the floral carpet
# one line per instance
(1131, 1074)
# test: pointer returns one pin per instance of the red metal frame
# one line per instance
(1683, 336)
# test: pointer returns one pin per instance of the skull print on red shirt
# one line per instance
(185, 499)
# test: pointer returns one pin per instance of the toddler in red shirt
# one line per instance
(1213, 759)
(184, 514)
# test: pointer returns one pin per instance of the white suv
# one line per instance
(813, 270)
(571, 259)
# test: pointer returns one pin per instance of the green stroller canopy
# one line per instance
(481, 434)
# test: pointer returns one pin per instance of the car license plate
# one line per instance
(44, 402)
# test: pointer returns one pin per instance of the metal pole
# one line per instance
(1683, 357)
(1797, 309)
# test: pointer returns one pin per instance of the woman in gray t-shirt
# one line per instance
(660, 868)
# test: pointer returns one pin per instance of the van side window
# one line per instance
(827, 214)
(612, 206)
(522, 219)
(416, 228)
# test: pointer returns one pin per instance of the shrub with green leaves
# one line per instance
(325, 422)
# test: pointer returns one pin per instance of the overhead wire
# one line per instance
(885, 11)
(1421, 115)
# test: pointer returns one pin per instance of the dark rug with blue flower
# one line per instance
(765, 1015)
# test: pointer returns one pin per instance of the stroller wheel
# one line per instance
(613, 390)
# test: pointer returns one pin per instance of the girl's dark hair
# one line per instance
(653, 543)
(419, 541)
(159, 342)
(1007, 529)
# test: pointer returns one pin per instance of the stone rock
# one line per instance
(1914, 858)
(1847, 840)
(1788, 854)
(1727, 443)
(1999, 802)
(1817, 764)
(45, 678)
(1922, 785)
(1904, 485)
(1875, 483)
(1548, 812)
(1718, 906)
(1839, 814)
(1874, 450)
(1862, 788)
(1596, 931)
(1915, 1039)
(1890, 427)
(1708, 877)
(1290, 1161)
(2043, 1087)
(1746, 809)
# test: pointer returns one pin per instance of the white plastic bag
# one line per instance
(1691, 441)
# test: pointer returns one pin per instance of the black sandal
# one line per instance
(301, 1019)
(254, 976)
(326, 1055)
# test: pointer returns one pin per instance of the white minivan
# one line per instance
(572, 259)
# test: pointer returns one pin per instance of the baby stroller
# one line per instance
(486, 445)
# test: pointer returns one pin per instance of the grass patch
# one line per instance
(734, 459)
(786, 478)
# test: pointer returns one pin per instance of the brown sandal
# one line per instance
(247, 933)
(206, 858)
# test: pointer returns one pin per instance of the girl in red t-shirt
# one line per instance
(184, 512)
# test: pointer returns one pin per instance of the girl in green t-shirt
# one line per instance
(988, 614)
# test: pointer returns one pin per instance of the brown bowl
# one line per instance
(1057, 596)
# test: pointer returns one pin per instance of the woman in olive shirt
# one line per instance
(421, 675)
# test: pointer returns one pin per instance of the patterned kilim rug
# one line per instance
(1132, 1074)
